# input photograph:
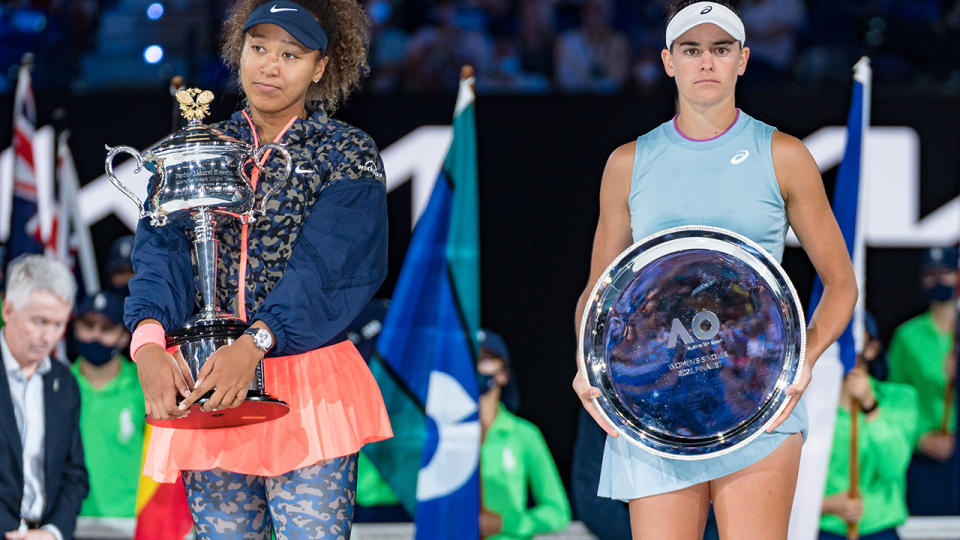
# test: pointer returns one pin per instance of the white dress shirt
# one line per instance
(27, 397)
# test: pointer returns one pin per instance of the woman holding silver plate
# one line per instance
(298, 275)
(713, 165)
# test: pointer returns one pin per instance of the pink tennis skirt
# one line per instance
(335, 408)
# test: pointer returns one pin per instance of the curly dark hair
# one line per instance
(348, 31)
(677, 6)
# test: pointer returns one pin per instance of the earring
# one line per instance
(316, 81)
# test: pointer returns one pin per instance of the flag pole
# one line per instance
(854, 490)
(466, 76)
(863, 74)
(949, 391)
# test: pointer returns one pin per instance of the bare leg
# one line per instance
(755, 502)
(678, 515)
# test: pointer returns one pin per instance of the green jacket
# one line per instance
(515, 461)
(916, 355)
(112, 425)
(885, 446)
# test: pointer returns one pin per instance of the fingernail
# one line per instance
(183, 406)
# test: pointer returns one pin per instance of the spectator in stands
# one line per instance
(536, 34)
(514, 459)
(887, 431)
(594, 57)
(42, 477)
(436, 52)
(387, 44)
(773, 26)
(119, 268)
(112, 407)
(922, 355)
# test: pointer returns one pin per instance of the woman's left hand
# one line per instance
(228, 371)
(794, 391)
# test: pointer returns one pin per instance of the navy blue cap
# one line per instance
(106, 303)
(293, 18)
(120, 252)
(940, 258)
(494, 343)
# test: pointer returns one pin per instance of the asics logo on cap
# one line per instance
(275, 9)
(740, 157)
(706, 10)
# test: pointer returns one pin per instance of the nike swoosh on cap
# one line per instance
(275, 9)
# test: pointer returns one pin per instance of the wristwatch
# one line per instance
(261, 338)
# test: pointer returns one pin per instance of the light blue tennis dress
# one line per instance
(727, 181)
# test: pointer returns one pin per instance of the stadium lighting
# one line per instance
(155, 11)
(153, 54)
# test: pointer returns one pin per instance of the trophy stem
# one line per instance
(205, 260)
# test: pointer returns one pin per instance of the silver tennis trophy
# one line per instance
(198, 177)
(692, 335)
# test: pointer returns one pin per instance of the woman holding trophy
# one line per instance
(713, 165)
(298, 275)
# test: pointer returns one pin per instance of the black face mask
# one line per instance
(485, 383)
(95, 352)
(940, 292)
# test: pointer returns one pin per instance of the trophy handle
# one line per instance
(111, 153)
(157, 217)
(287, 169)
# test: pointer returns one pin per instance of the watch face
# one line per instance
(261, 338)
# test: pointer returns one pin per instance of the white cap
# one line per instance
(705, 12)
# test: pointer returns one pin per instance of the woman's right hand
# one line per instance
(586, 393)
(162, 376)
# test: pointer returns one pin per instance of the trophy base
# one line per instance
(200, 337)
(255, 409)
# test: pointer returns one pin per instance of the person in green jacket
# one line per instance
(922, 355)
(514, 459)
(887, 416)
(111, 407)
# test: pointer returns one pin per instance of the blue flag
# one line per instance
(429, 339)
(848, 211)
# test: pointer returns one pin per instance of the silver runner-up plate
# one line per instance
(692, 335)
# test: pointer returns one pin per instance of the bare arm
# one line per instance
(809, 213)
(611, 238)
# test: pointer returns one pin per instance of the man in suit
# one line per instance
(42, 476)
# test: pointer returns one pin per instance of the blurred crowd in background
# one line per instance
(517, 46)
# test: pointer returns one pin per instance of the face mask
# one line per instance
(485, 383)
(940, 292)
(95, 353)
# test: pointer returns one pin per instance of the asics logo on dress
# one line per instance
(275, 9)
(739, 157)
(301, 170)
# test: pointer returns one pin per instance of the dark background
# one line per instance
(540, 161)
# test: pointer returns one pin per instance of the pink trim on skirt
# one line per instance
(335, 408)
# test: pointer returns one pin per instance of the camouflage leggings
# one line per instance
(312, 502)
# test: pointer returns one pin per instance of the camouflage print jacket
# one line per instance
(314, 260)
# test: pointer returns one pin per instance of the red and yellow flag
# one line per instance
(162, 511)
